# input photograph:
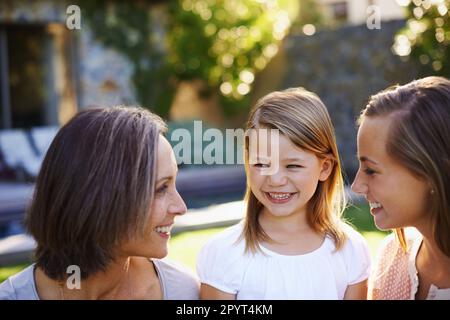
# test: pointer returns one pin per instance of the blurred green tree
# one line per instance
(226, 42)
(309, 13)
(426, 37)
(126, 26)
(223, 43)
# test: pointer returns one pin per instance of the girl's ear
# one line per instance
(327, 167)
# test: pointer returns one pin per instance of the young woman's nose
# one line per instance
(359, 185)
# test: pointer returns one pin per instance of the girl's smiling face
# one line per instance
(288, 190)
(397, 198)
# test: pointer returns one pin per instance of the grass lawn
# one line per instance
(184, 247)
(6, 272)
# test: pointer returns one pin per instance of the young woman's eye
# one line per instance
(162, 189)
(369, 171)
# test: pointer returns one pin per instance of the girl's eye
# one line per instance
(294, 166)
(162, 189)
(369, 171)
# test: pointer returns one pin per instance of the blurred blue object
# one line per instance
(11, 229)
(17, 152)
(42, 137)
(23, 152)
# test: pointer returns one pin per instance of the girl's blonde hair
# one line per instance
(419, 138)
(301, 116)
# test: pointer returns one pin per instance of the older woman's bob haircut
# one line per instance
(95, 189)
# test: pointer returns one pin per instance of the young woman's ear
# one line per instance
(327, 167)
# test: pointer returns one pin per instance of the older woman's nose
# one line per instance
(178, 206)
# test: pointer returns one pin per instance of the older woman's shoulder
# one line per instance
(177, 280)
(20, 286)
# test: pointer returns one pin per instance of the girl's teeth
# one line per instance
(375, 205)
(162, 229)
(280, 196)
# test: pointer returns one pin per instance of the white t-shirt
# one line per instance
(321, 274)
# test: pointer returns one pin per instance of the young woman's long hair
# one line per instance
(419, 139)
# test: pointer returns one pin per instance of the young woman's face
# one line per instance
(397, 198)
(167, 204)
(288, 190)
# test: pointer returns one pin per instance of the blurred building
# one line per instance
(355, 11)
(47, 70)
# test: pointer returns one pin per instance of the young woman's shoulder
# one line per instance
(178, 281)
(390, 275)
(390, 245)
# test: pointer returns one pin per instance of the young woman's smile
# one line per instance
(396, 197)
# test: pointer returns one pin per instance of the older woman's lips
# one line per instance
(164, 231)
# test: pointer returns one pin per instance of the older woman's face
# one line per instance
(167, 204)
(397, 198)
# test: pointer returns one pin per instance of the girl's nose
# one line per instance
(277, 179)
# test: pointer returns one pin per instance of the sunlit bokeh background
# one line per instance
(207, 60)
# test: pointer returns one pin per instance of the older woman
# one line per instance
(404, 153)
(104, 204)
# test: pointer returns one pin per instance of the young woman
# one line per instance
(104, 204)
(404, 153)
(292, 244)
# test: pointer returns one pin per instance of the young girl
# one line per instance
(405, 175)
(292, 243)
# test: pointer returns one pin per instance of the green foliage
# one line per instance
(426, 37)
(309, 13)
(222, 42)
(225, 42)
